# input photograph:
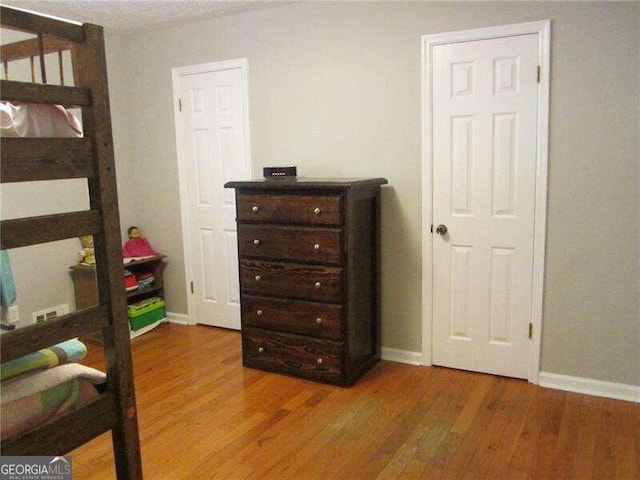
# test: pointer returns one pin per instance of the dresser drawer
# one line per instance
(319, 245)
(305, 282)
(310, 209)
(292, 354)
(304, 318)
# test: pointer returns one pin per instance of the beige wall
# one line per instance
(335, 89)
(118, 82)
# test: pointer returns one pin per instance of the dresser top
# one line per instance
(306, 182)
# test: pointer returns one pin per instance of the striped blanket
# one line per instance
(65, 352)
(42, 385)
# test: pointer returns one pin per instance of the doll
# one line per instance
(87, 254)
(137, 245)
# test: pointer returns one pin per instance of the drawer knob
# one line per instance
(255, 209)
(318, 320)
(319, 361)
(258, 277)
(260, 349)
(259, 312)
(316, 247)
(316, 211)
(256, 242)
(318, 285)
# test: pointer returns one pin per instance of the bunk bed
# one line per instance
(89, 157)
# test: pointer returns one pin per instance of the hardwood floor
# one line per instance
(203, 416)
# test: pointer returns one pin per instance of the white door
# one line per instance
(484, 124)
(213, 149)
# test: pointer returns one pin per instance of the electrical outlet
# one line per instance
(50, 313)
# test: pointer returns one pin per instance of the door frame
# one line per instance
(543, 30)
(176, 74)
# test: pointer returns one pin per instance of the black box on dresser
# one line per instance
(309, 261)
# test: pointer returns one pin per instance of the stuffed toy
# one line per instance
(87, 254)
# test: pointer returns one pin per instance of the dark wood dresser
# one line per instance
(309, 253)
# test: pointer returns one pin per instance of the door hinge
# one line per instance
(180, 104)
(539, 73)
(192, 290)
(530, 331)
(432, 228)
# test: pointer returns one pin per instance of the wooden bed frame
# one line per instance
(90, 157)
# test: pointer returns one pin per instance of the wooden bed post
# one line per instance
(89, 69)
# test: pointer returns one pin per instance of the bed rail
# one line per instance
(38, 24)
(33, 159)
(12, 91)
(35, 337)
(32, 48)
(23, 232)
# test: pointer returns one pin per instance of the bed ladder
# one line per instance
(90, 157)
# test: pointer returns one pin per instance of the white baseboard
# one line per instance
(179, 318)
(401, 356)
(589, 386)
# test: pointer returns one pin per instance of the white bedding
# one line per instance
(37, 120)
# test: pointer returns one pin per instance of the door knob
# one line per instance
(441, 229)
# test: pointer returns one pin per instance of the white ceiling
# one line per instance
(137, 16)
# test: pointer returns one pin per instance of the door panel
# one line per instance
(484, 160)
(214, 153)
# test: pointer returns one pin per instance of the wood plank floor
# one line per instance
(203, 416)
